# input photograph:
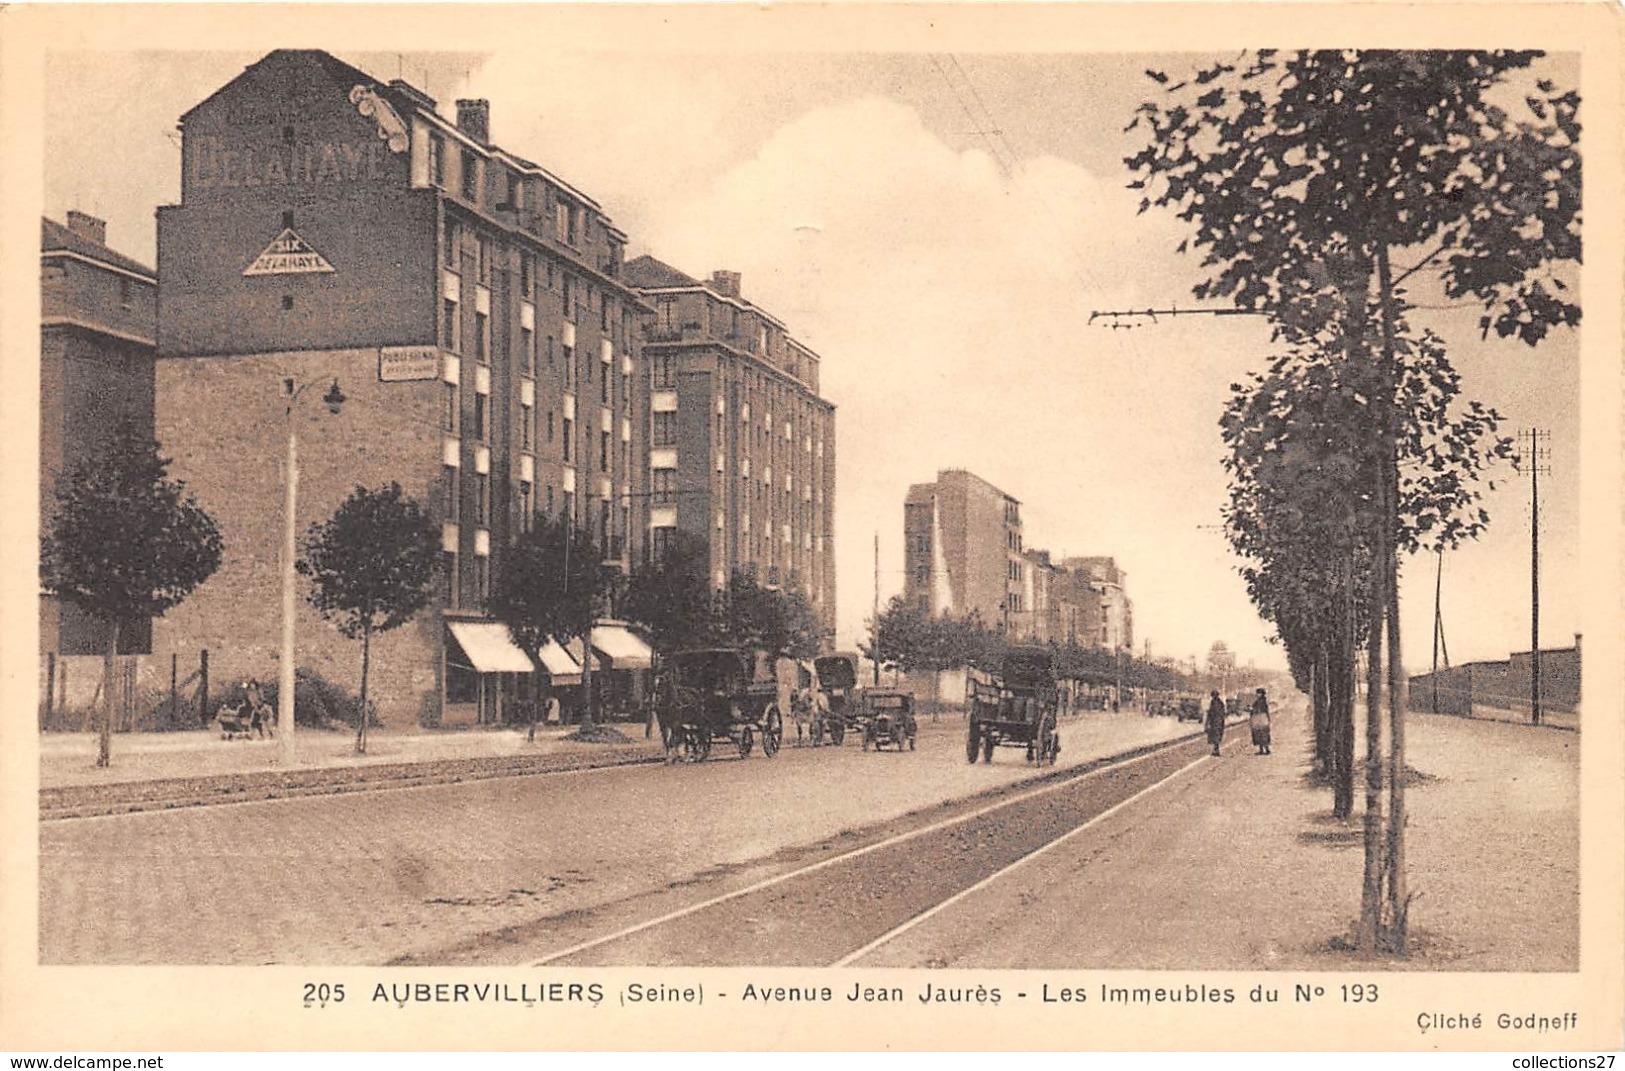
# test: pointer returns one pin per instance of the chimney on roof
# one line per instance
(725, 283)
(87, 226)
(474, 119)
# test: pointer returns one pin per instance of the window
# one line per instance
(527, 504)
(482, 578)
(448, 566)
(569, 504)
(604, 532)
(550, 351)
(569, 298)
(626, 389)
(603, 386)
(569, 434)
(524, 275)
(527, 427)
(454, 244)
(665, 430)
(550, 425)
(603, 314)
(437, 160)
(550, 275)
(448, 417)
(471, 176)
(570, 366)
(482, 337)
(603, 451)
(450, 327)
(482, 499)
(561, 221)
(516, 191)
(666, 313)
(549, 500)
(665, 371)
(450, 498)
(527, 352)
(482, 259)
(663, 486)
(480, 401)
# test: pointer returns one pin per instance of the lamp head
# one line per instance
(334, 398)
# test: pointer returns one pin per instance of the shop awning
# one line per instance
(622, 647)
(489, 647)
(559, 665)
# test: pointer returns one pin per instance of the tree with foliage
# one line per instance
(372, 566)
(750, 615)
(671, 597)
(552, 584)
(1307, 176)
(125, 542)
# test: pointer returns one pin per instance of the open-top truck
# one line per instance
(1017, 708)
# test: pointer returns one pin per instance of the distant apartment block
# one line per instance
(963, 552)
(963, 555)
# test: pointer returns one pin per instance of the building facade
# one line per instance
(963, 552)
(98, 311)
(471, 306)
(1108, 615)
(741, 445)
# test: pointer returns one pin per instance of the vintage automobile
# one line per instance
(888, 720)
(704, 696)
(838, 681)
(1017, 708)
(1190, 708)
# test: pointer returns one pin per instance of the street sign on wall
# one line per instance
(403, 364)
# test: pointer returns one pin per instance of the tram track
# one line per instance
(840, 908)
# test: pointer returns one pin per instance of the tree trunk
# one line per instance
(587, 722)
(366, 660)
(104, 745)
(1398, 897)
(1359, 359)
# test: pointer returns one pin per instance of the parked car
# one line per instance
(888, 720)
(1190, 708)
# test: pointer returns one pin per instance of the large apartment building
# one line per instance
(471, 306)
(742, 447)
(97, 311)
(963, 551)
(963, 555)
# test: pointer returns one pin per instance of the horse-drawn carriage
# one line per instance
(1016, 708)
(718, 695)
(838, 684)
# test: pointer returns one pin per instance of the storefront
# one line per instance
(486, 673)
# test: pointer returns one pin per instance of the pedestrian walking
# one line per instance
(1258, 719)
(1215, 721)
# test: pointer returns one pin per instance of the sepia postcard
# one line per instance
(941, 526)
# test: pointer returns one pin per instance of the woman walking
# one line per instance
(1258, 719)
(1215, 721)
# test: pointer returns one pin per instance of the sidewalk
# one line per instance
(69, 759)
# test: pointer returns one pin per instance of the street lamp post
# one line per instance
(286, 682)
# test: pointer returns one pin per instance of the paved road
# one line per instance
(397, 874)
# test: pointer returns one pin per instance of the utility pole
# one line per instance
(875, 637)
(1438, 630)
(1535, 454)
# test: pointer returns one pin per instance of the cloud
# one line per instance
(950, 301)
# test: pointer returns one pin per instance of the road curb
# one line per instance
(164, 794)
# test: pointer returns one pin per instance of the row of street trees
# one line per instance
(910, 640)
(125, 542)
(1317, 185)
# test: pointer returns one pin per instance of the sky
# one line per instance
(939, 229)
